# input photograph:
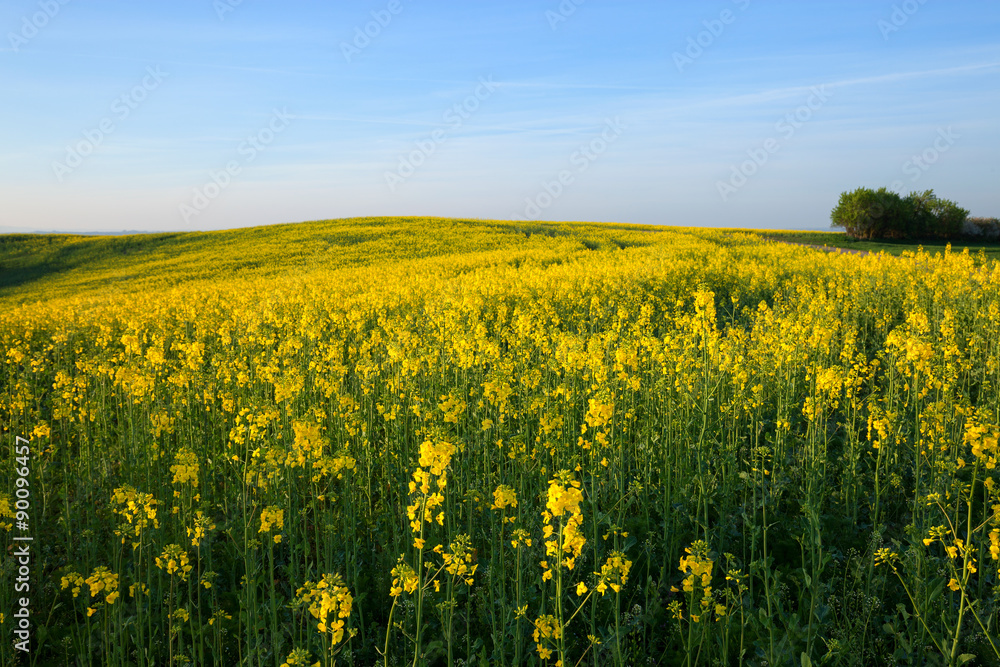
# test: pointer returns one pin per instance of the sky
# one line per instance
(187, 115)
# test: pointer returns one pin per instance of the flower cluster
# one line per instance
(563, 536)
(520, 538)
(458, 558)
(101, 581)
(504, 497)
(404, 578)
(272, 517)
(175, 561)
(697, 567)
(329, 601)
(74, 580)
(436, 456)
(614, 573)
(185, 468)
(547, 633)
(104, 581)
(6, 512)
(202, 524)
(886, 556)
(298, 658)
(434, 461)
(332, 466)
(452, 407)
(137, 509)
(983, 439)
(307, 446)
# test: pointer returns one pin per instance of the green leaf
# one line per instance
(806, 662)
(965, 657)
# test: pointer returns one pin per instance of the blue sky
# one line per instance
(211, 114)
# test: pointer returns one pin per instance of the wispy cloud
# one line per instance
(919, 74)
(789, 92)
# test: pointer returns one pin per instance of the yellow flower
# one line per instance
(503, 497)
(546, 630)
(581, 588)
(271, 517)
(103, 581)
(564, 498)
(520, 536)
(138, 511)
(404, 579)
(202, 525)
(175, 561)
(614, 573)
(297, 658)
(885, 555)
(185, 468)
(330, 602)
(74, 580)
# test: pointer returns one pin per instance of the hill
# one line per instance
(37, 267)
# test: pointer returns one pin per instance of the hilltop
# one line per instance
(39, 267)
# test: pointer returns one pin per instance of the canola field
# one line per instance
(439, 442)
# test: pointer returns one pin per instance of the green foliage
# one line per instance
(869, 214)
(920, 211)
(949, 218)
(982, 228)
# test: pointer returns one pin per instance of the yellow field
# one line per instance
(406, 441)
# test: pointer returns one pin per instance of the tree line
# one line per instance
(883, 214)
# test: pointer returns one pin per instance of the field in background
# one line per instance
(46, 266)
(427, 441)
(990, 251)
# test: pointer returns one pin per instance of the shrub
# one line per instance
(987, 229)
(921, 220)
(949, 218)
(870, 214)
(883, 214)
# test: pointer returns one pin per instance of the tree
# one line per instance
(870, 214)
(949, 218)
(920, 213)
(883, 214)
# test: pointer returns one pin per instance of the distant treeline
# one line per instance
(883, 214)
